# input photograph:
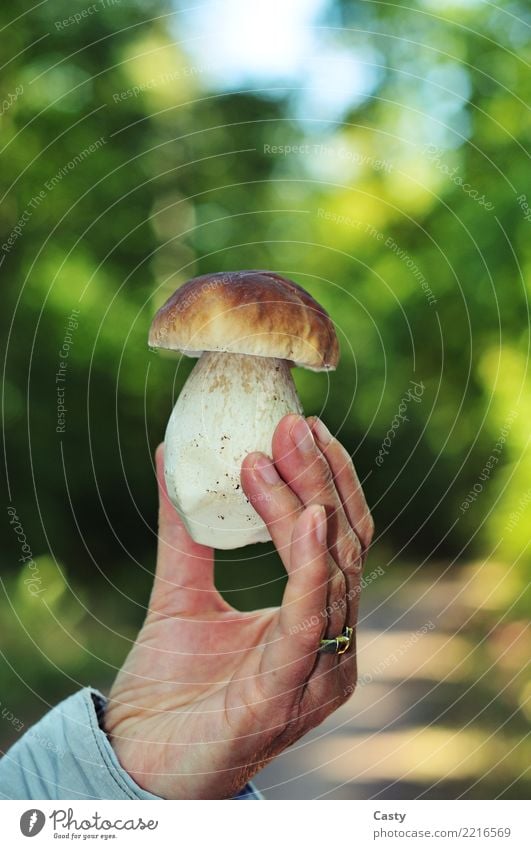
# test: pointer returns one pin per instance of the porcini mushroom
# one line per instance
(248, 329)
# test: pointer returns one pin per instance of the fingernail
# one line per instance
(266, 471)
(323, 434)
(302, 436)
(319, 523)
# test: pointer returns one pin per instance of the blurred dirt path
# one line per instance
(396, 737)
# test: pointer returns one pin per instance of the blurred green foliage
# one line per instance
(182, 182)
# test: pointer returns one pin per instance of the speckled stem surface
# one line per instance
(229, 406)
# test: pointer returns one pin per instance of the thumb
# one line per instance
(184, 577)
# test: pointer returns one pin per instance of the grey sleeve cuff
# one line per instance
(67, 756)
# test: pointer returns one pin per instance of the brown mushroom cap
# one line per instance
(247, 312)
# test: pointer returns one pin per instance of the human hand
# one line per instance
(208, 694)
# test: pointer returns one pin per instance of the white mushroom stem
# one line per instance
(229, 406)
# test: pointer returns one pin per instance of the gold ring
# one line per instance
(337, 645)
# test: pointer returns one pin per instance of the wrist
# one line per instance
(157, 765)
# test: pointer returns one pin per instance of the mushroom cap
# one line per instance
(247, 312)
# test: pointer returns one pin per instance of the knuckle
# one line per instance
(319, 473)
(318, 480)
(337, 606)
(369, 527)
(350, 552)
(348, 467)
(325, 472)
(338, 585)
